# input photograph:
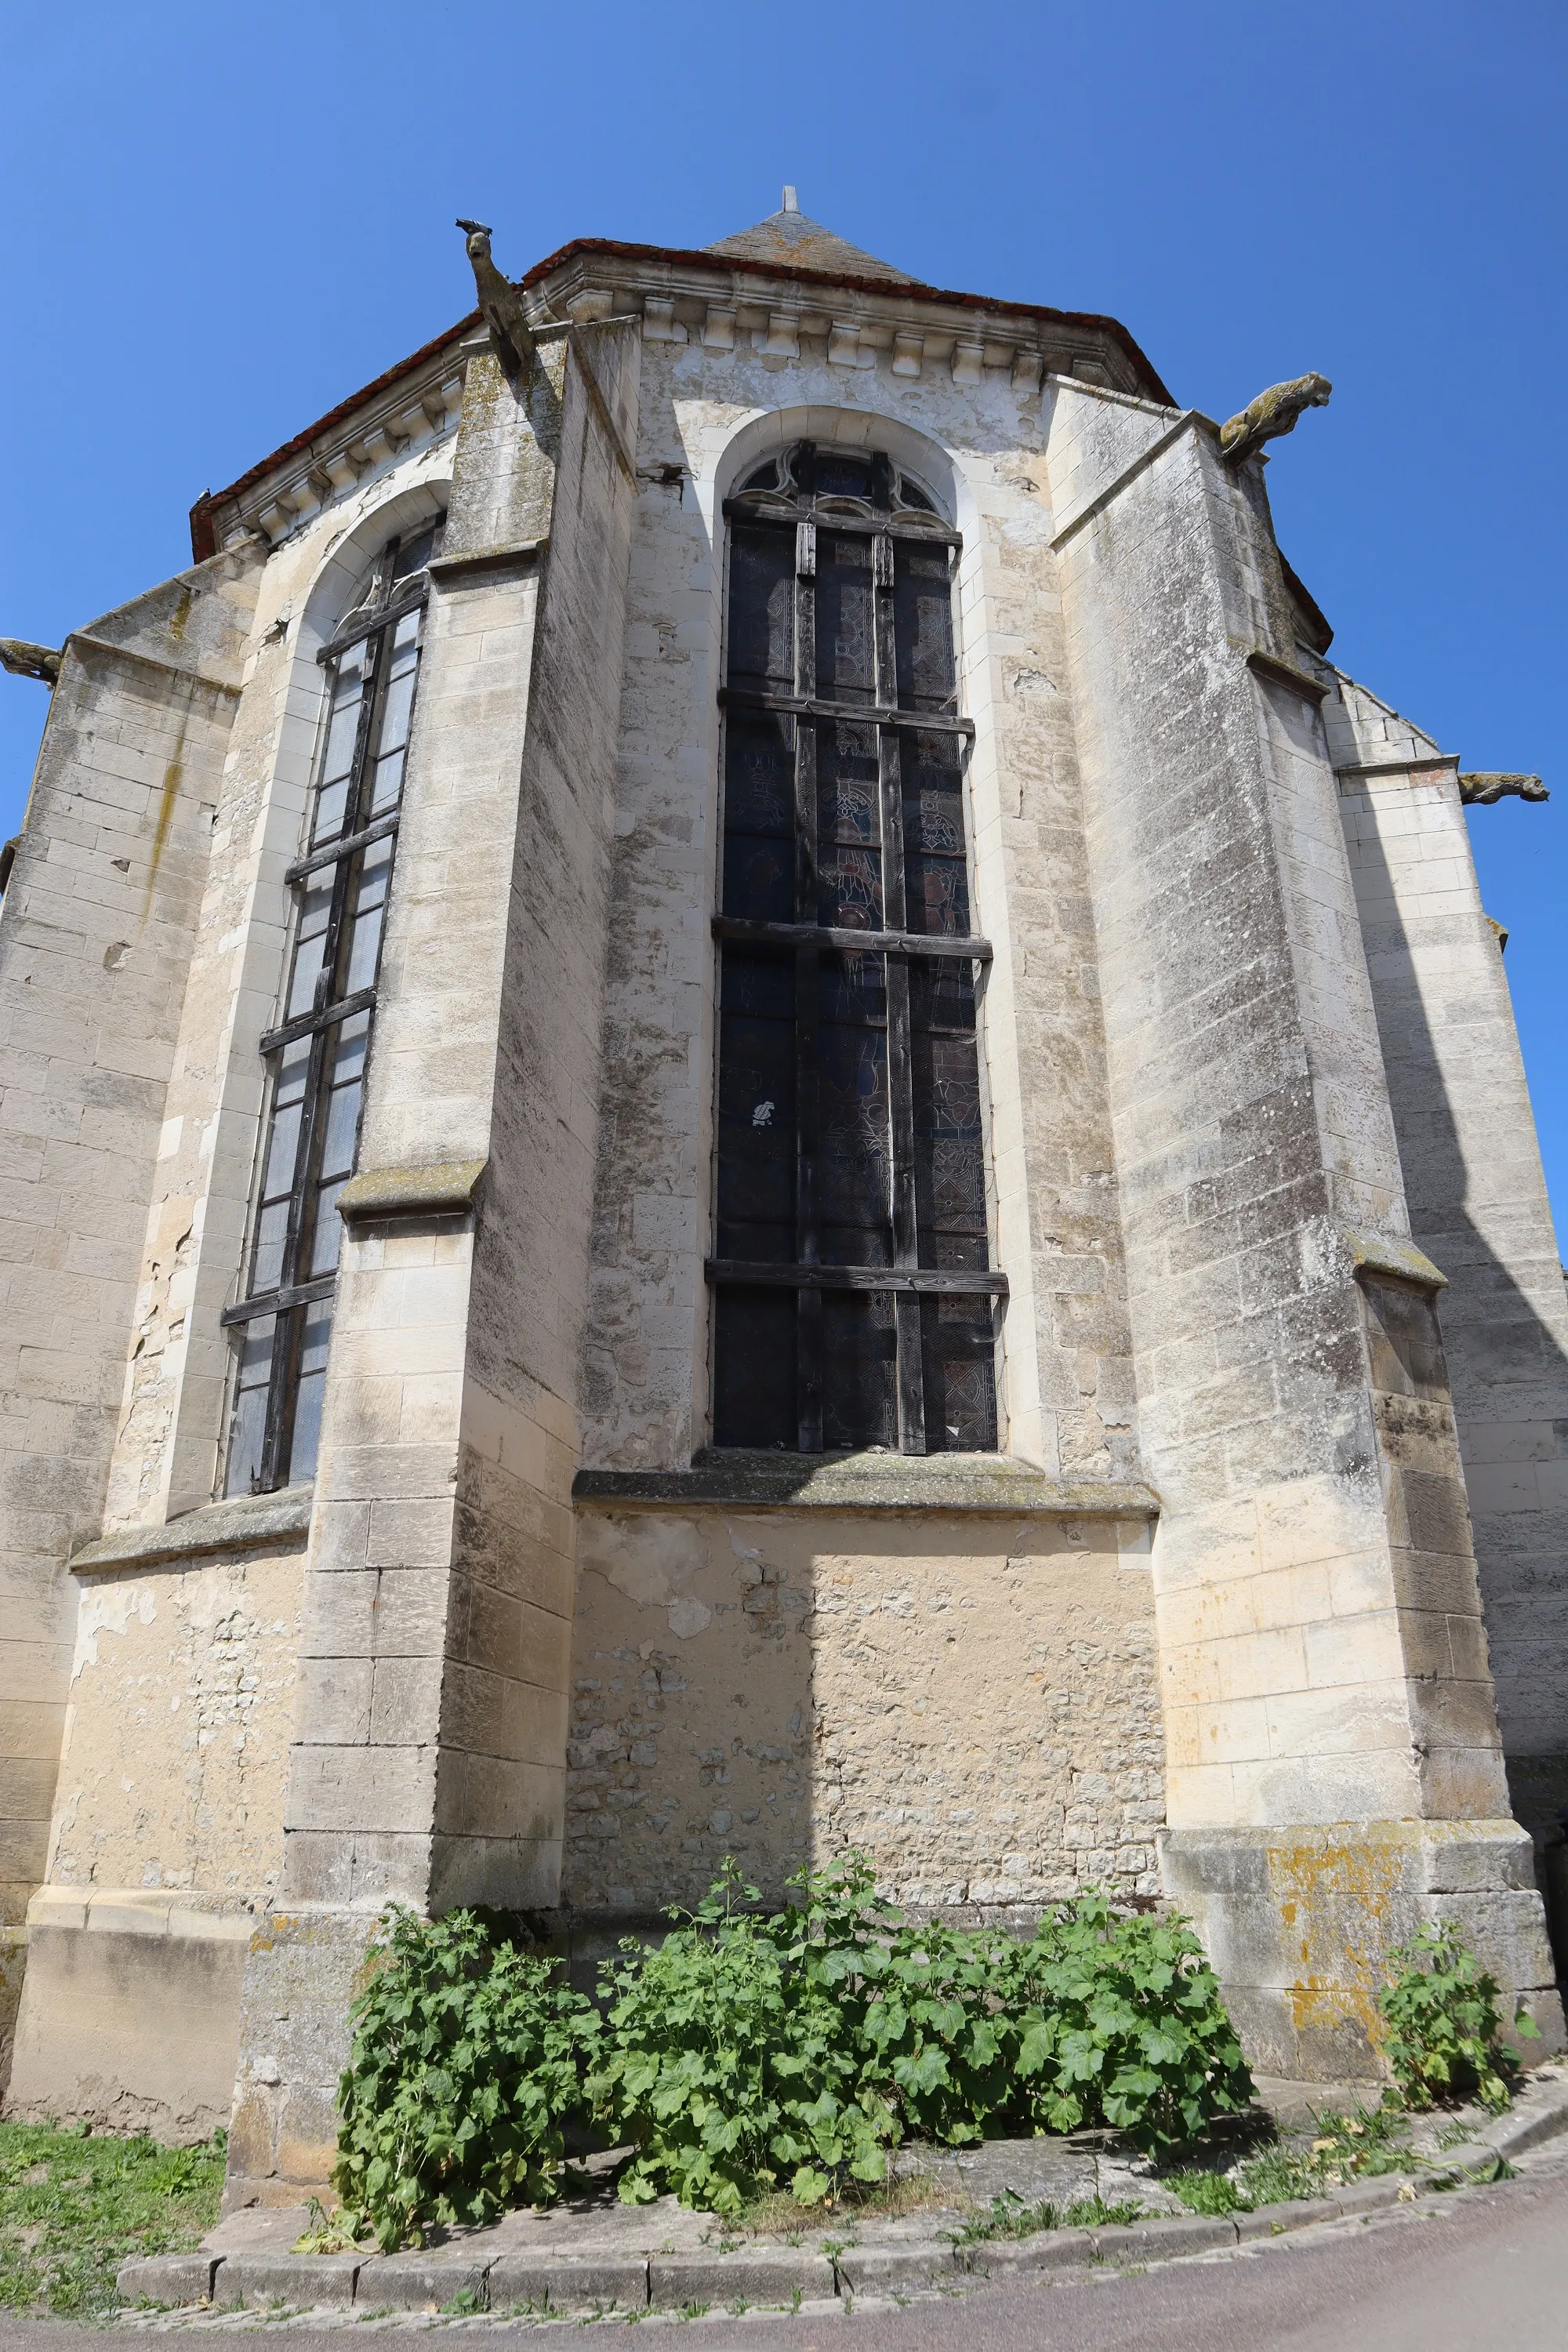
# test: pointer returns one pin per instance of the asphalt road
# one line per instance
(1488, 2268)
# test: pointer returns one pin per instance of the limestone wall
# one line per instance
(99, 915)
(705, 413)
(971, 1702)
(1477, 1203)
(168, 1451)
(177, 1733)
(167, 1841)
(140, 955)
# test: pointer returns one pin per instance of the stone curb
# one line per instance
(754, 2276)
(750, 2277)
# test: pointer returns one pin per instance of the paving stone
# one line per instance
(755, 2276)
(1371, 2196)
(877, 2269)
(167, 2278)
(1474, 2158)
(568, 2283)
(300, 2281)
(1164, 2240)
(1047, 2250)
(419, 2281)
(1539, 2113)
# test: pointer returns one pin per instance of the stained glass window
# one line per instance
(856, 1299)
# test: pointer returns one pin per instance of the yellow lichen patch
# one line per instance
(1317, 1884)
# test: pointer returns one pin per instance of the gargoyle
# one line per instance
(1273, 412)
(501, 304)
(1488, 785)
(25, 660)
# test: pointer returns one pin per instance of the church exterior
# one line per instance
(745, 1113)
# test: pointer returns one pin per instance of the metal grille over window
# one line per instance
(316, 1055)
(856, 1299)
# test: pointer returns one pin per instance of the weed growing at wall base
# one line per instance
(749, 2056)
(1441, 2010)
(464, 2067)
(752, 2054)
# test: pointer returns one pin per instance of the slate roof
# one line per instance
(791, 237)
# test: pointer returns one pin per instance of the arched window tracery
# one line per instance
(316, 1055)
(853, 1273)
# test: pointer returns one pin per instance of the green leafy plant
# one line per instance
(1205, 2192)
(750, 2053)
(750, 2057)
(463, 2070)
(1344, 2148)
(1440, 2006)
(730, 2058)
(1119, 2021)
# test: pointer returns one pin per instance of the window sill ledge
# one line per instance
(236, 1526)
(867, 1482)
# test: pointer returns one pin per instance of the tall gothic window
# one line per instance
(854, 1282)
(316, 1055)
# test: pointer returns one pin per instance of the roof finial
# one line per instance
(791, 202)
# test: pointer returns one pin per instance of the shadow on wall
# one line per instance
(1508, 1373)
(970, 1700)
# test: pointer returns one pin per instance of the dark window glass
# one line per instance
(849, 1133)
(840, 474)
(761, 611)
(316, 1068)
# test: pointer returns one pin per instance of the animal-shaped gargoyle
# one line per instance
(1488, 785)
(1273, 412)
(24, 659)
(501, 304)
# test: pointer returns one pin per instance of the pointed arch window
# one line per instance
(856, 1300)
(316, 1055)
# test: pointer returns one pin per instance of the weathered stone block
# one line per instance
(421, 2282)
(166, 2278)
(538, 2283)
(756, 2275)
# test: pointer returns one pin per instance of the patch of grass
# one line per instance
(1011, 2216)
(1203, 2192)
(779, 2215)
(1344, 2147)
(1274, 2177)
(74, 2205)
(1094, 2213)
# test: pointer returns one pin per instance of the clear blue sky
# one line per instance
(219, 220)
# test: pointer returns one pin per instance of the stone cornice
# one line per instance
(714, 301)
(695, 283)
(865, 1482)
(1395, 1254)
(83, 641)
(247, 1522)
(408, 411)
(441, 1188)
(718, 304)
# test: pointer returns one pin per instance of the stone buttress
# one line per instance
(1334, 1771)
